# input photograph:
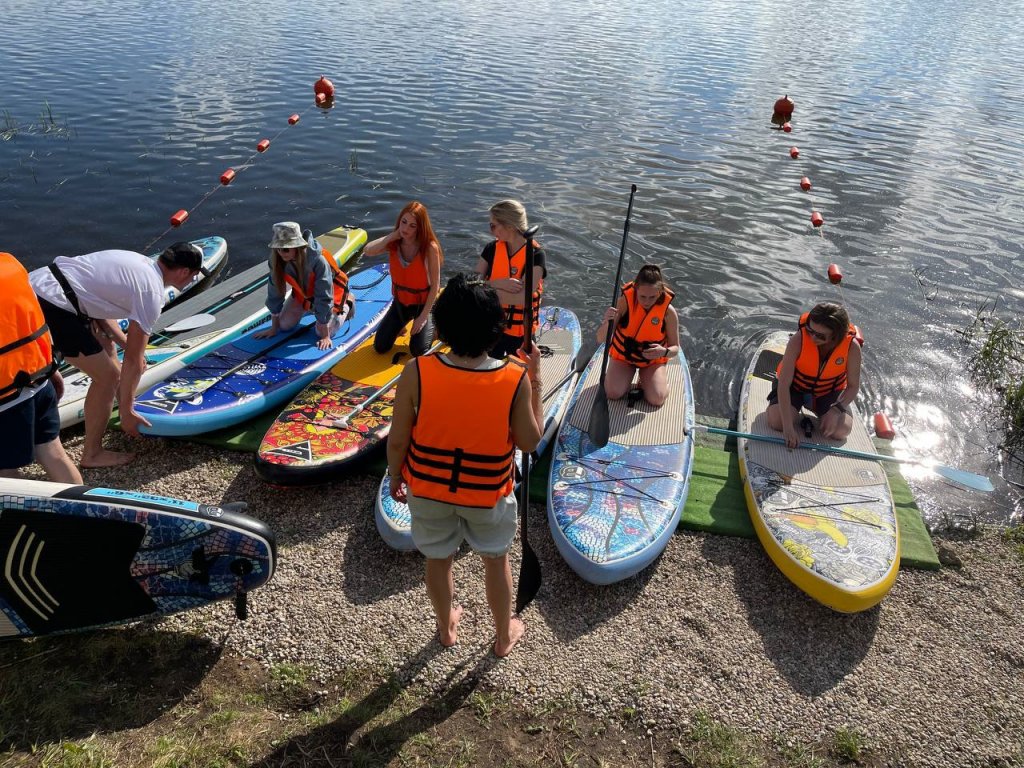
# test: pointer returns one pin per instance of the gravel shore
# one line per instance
(933, 677)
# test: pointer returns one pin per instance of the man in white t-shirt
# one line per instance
(82, 298)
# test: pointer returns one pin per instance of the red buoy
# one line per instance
(293, 120)
(817, 219)
(784, 107)
(835, 274)
(179, 218)
(794, 152)
(787, 127)
(883, 427)
(263, 145)
(324, 86)
(805, 184)
(227, 177)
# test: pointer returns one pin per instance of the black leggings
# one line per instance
(397, 317)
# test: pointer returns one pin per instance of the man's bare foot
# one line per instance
(450, 636)
(516, 630)
(106, 458)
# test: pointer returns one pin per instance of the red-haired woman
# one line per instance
(415, 259)
(645, 336)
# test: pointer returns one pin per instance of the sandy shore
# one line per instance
(932, 677)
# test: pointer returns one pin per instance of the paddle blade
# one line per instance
(529, 570)
(190, 323)
(966, 479)
(598, 429)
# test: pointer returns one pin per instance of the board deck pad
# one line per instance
(633, 421)
(78, 557)
(559, 338)
(613, 509)
(828, 521)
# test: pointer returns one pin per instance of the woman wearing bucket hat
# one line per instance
(317, 284)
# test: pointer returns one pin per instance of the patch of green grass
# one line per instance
(1015, 536)
(848, 745)
(485, 705)
(712, 744)
(290, 675)
(796, 754)
(76, 754)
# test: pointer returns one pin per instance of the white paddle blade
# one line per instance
(191, 323)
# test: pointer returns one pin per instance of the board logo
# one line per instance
(253, 369)
(167, 406)
(302, 451)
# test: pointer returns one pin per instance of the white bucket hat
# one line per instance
(287, 235)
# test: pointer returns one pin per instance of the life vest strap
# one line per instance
(24, 340)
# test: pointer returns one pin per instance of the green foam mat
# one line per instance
(715, 504)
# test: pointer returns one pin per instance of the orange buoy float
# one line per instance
(263, 146)
(787, 127)
(805, 184)
(227, 177)
(835, 274)
(321, 99)
(784, 106)
(293, 120)
(179, 218)
(817, 219)
(883, 427)
(794, 152)
(325, 87)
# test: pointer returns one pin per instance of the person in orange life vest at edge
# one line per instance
(30, 384)
(820, 370)
(83, 297)
(646, 335)
(502, 262)
(415, 260)
(458, 417)
(317, 284)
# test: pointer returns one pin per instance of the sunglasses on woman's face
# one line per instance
(817, 334)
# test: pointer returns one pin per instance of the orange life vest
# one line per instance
(26, 352)
(461, 446)
(306, 297)
(502, 267)
(643, 327)
(410, 284)
(815, 376)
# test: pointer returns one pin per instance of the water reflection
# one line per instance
(907, 117)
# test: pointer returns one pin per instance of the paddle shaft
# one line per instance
(529, 570)
(598, 427)
(376, 395)
(971, 480)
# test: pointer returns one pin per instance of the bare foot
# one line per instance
(516, 630)
(450, 636)
(106, 458)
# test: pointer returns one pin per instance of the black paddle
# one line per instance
(529, 570)
(598, 428)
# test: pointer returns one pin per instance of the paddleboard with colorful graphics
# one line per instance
(827, 521)
(559, 338)
(78, 557)
(342, 415)
(612, 510)
(236, 304)
(247, 376)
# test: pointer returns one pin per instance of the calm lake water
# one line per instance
(908, 119)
